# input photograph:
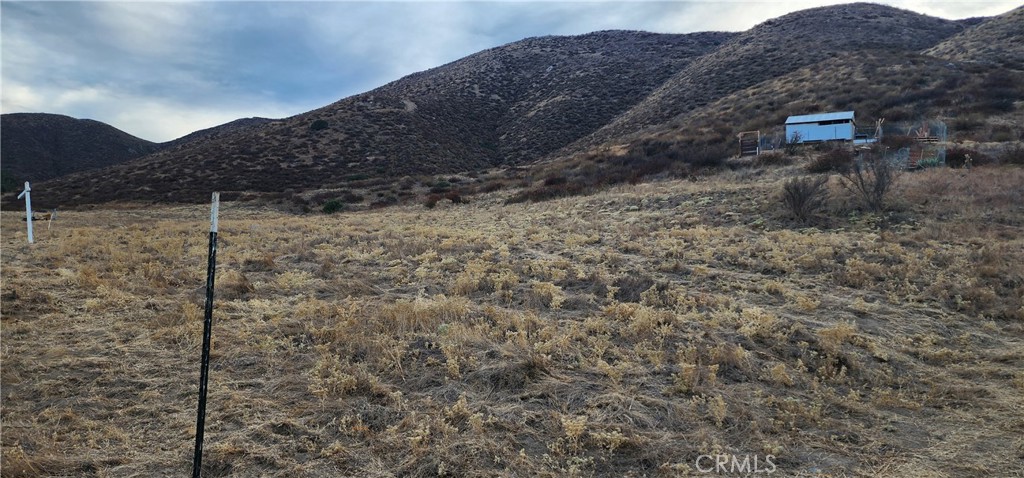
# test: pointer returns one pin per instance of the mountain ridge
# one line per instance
(545, 98)
(41, 146)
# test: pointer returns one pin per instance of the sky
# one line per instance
(160, 70)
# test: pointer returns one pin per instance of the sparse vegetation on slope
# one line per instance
(778, 47)
(999, 41)
(38, 146)
(507, 105)
(600, 95)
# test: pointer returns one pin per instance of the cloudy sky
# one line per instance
(162, 70)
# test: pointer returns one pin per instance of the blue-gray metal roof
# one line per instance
(840, 115)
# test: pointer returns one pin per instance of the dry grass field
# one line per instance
(626, 333)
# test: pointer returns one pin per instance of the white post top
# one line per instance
(27, 189)
(214, 211)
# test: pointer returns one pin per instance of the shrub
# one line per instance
(8, 183)
(870, 177)
(492, 186)
(1012, 155)
(835, 160)
(898, 141)
(554, 180)
(333, 206)
(435, 198)
(773, 159)
(793, 143)
(956, 157)
(969, 122)
(384, 202)
(455, 197)
(318, 125)
(804, 197)
(440, 187)
(544, 193)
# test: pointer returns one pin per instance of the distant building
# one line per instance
(839, 126)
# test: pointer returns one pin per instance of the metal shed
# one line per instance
(838, 126)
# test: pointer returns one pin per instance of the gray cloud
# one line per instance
(162, 70)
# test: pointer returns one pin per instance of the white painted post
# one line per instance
(28, 209)
(204, 366)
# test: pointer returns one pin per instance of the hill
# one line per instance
(217, 131)
(878, 76)
(555, 98)
(998, 40)
(40, 146)
(777, 47)
(507, 105)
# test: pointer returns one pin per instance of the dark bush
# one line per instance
(957, 157)
(630, 288)
(318, 125)
(804, 197)
(492, 186)
(455, 197)
(871, 176)
(834, 160)
(1004, 134)
(555, 180)
(440, 187)
(435, 198)
(898, 141)
(967, 123)
(333, 206)
(793, 143)
(8, 183)
(1012, 155)
(351, 197)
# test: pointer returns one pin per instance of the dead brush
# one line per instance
(512, 370)
(421, 314)
(805, 197)
(871, 177)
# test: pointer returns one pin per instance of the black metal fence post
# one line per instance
(204, 371)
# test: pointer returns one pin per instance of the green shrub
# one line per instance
(318, 125)
(333, 206)
(440, 187)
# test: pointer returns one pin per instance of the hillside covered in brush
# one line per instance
(217, 132)
(507, 105)
(552, 99)
(39, 146)
(997, 41)
(778, 47)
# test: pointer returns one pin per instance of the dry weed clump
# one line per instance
(624, 333)
(804, 197)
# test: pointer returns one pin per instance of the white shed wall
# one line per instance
(815, 132)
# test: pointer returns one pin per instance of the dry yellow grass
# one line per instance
(621, 334)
